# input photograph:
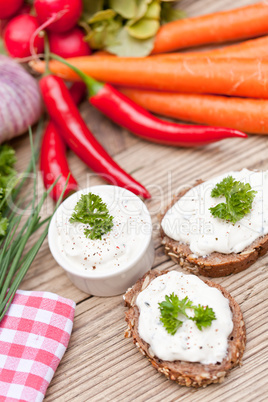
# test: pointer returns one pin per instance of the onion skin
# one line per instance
(20, 99)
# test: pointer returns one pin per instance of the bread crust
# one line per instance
(215, 264)
(187, 373)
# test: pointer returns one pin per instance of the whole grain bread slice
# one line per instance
(216, 264)
(187, 373)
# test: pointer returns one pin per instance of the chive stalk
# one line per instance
(14, 262)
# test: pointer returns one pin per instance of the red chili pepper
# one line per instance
(53, 162)
(78, 137)
(135, 118)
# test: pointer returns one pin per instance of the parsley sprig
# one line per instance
(92, 211)
(239, 197)
(8, 177)
(173, 306)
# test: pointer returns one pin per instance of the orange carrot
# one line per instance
(240, 23)
(250, 115)
(255, 48)
(237, 77)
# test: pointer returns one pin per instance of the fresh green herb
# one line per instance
(172, 307)
(126, 28)
(203, 316)
(14, 259)
(239, 198)
(7, 171)
(8, 177)
(92, 211)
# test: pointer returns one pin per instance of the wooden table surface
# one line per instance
(100, 364)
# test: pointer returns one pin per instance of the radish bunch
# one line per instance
(23, 34)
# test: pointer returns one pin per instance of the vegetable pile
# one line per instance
(221, 87)
(125, 28)
(23, 32)
(123, 111)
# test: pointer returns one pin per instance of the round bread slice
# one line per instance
(187, 373)
(215, 264)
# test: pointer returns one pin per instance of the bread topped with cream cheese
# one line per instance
(219, 248)
(190, 372)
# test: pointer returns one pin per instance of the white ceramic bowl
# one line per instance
(112, 281)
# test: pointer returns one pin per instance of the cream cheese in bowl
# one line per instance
(106, 266)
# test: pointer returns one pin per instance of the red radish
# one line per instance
(9, 8)
(68, 44)
(68, 12)
(25, 9)
(18, 34)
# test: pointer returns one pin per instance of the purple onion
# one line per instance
(20, 99)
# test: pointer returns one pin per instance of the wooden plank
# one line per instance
(100, 365)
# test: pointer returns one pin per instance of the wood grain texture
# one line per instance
(100, 365)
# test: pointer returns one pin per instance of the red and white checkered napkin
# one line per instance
(34, 335)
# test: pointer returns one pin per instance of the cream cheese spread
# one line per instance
(129, 235)
(207, 346)
(190, 221)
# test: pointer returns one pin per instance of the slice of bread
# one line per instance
(215, 264)
(187, 373)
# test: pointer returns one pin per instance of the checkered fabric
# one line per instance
(34, 335)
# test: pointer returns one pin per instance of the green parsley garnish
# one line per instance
(203, 316)
(8, 177)
(92, 211)
(239, 198)
(172, 307)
